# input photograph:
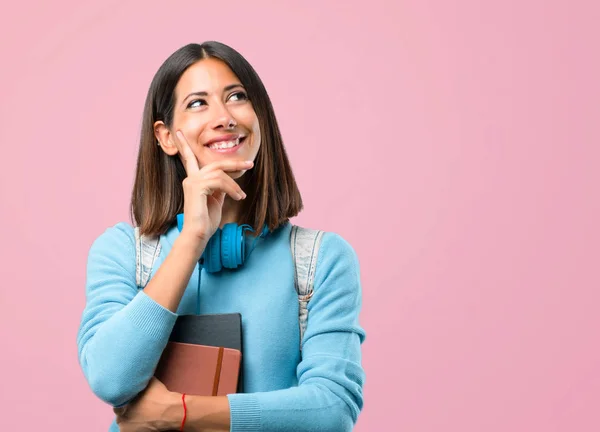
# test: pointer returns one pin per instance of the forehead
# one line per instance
(209, 75)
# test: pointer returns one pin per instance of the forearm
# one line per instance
(314, 406)
(284, 410)
(168, 284)
(207, 413)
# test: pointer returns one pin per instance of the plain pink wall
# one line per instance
(454, 144)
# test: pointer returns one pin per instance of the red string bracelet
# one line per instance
(184, 411)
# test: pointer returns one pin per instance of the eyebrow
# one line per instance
(203, 93)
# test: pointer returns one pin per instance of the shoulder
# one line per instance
(333, 242)
(116, 243)
(119, 234)
(336, 251)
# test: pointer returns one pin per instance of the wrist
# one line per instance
(190, 244)
(207, 413)
(174, 412)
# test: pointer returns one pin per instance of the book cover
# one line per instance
(200, 370)
(204, 355)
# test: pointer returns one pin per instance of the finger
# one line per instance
(189, 158)
(229, 165)
(229, 181)
(221, 182)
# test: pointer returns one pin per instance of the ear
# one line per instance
(164, 138)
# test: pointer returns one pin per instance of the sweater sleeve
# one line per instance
(123, 331)
(329, 394)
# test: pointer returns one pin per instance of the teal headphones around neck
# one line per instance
(227, 247)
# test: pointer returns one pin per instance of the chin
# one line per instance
(236, 174)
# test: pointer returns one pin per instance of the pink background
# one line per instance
(454, 144)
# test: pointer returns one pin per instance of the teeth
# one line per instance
(224, 144)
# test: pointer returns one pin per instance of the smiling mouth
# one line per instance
(224, 145)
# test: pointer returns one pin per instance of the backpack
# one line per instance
(304, 245)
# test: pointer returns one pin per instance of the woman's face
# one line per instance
(213, 112)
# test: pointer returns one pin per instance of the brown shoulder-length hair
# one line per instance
(157, 197)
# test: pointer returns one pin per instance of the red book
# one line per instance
(200, 370)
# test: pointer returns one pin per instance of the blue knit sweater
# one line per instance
(123, 331)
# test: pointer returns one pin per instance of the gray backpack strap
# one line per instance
(304, 243)
(146, 250)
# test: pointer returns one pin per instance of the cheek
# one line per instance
(257, 135)
(245, 115)
(193, 127)
(190, 125)
(254, 126)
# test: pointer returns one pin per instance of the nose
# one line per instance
(223, 118)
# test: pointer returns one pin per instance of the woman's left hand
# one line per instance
(155, 409)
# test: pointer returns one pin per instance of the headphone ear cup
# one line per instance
(226, 246)
(212, 261)
(232, 242)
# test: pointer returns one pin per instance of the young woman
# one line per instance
(210, 149)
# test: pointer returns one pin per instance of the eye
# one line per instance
(196, 103)
(239, 96)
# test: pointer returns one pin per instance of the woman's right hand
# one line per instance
(204, 192)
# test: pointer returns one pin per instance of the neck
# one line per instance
(231, 211)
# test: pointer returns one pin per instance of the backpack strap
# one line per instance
(146, 250)
(304, 243)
